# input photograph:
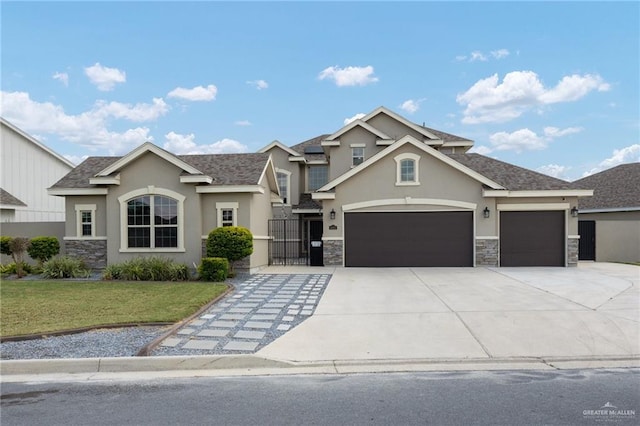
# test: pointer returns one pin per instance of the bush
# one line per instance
(147, 269)
(214, 269)
(64, 267)
(4, 245)
(12, 269)
(231, 242)
(43, 248)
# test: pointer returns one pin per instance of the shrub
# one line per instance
(11, 268)
(18, 246)
(231, 242)
(64, 267)
(147, 269)
(4, 245)
(214, 269)
(43, 248)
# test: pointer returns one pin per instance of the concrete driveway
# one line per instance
(470, 313)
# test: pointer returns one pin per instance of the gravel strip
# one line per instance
(100, 343)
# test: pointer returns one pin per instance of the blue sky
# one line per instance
(553, 87)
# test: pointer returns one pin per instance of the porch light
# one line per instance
(486, 213)
(332, 214)
(574, 211)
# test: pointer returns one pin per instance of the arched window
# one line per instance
(152, 220)
(284, 182)
(407, 170)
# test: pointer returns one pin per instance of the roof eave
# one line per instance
(537, 193)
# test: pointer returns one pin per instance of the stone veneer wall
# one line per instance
(332, 252)
(487, 252)
(573, 245)
(92, 252)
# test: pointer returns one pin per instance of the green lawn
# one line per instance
(29, 307)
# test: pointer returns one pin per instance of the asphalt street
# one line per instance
(570, 397)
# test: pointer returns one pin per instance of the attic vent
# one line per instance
(314, 149)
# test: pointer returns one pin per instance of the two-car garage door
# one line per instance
(408, 238)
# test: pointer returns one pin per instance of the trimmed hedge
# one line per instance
(214, 269)
(43, 248)
(231, 242)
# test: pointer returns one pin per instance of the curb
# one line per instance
(256, 365)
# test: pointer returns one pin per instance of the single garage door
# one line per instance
(408, 239)
(532, 238)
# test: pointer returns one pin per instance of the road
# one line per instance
(448, 398)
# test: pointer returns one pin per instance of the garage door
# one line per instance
(408, 239)
(532, 238)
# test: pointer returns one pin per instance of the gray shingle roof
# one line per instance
(225, 169)
(311, 142)
(8, 199)
(307, 203)
(511, 177)
(446, 137)
(615, 188)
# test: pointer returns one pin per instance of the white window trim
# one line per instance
(226, 206)
(150, 190)
(308, 173)
(416, 170)
(353, 156)
(288, 197)
(85, 208)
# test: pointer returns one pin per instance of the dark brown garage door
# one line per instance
(409, 239)
(532, 238)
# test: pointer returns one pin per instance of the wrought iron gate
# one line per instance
(289, 243)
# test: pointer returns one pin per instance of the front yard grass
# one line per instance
(32, 307)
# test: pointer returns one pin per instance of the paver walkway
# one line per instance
(262, 308)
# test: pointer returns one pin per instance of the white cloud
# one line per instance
(500, 53)
(198, 93)
(88, 129)
(258, 84)
(488, 100)
(554, 170)
(411, 105)
(76, 159)
(525, 139)
(477, 56)
(628, 154)
(63, 77)
(349, 76)
(138, 112)
(105, 78)
(185, 144)
(243, 123)
(481, 149)
(355, 117)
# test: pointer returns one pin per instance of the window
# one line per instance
(284, 178)
(227, 214)
(357, 155)
(85, 220)
(160, 232)
(318, 177)
(152, 220)
(407, 169)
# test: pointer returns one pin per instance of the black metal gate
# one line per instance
(587, 245)
(290, 240)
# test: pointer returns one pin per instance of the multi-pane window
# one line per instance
(318, 177)
(283, 184)
(407, 170)
(161, 231)
(357, 156)
(86, 223)
(227, 217)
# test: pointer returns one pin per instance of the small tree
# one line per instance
(43, 248)
(231, 242)
(18, 247)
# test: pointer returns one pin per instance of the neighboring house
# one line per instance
(609, 222)
(380, 191)
(151, 202)
(28, 168)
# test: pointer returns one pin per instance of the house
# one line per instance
(151, 202)
(380, 191)
(28, 168)
(609, 222)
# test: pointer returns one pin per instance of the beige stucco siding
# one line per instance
(261, 212)
(149, 172)
(341, 156)
(71, 223)
(392, 127)
(438, 181)
(617, 236)
(540, 203)
(280, 160)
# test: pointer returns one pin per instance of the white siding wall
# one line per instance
(27, 171)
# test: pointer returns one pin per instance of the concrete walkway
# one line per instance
(463, 313)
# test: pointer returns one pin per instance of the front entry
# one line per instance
(587, 245)
(316, 251)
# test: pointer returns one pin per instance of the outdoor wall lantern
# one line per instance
(332, 214)
(574, 211)
(486, 213)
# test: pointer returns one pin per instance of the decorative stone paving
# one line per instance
(262, 308)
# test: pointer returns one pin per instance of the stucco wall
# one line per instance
(617, 236)
(30, 230)
(341, 156)
(392, 127)
(280, 160)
